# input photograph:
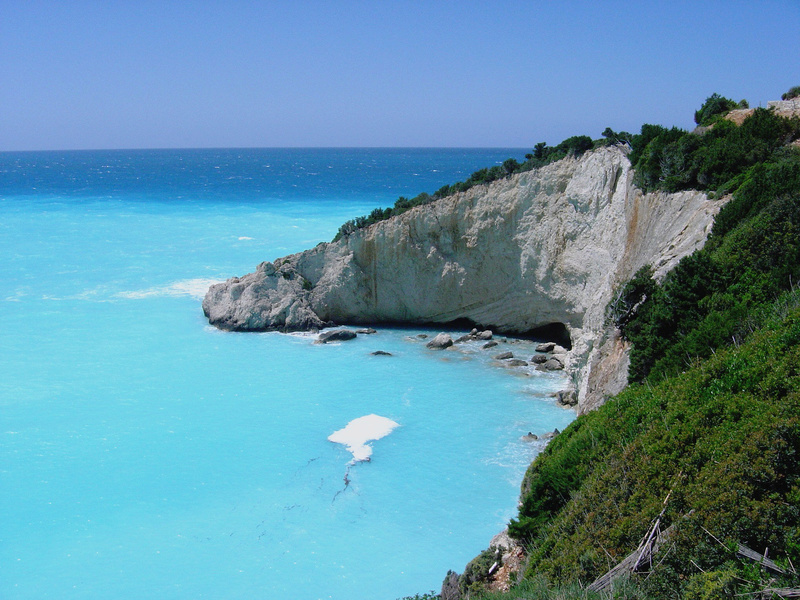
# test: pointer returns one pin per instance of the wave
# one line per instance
(196, 288)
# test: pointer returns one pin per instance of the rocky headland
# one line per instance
(540, 252)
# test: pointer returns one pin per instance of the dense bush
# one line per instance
(792, 93)
(722, 441)
(714, 107)
(674, 160)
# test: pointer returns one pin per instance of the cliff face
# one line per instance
(542, 247)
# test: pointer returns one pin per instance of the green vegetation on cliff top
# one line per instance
(707, 436)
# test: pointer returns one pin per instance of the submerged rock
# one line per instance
(381, 353)
(515, 362)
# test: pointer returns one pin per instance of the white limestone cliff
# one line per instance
(542, 247)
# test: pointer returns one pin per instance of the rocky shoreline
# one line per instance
(505, 353)
(544, 250)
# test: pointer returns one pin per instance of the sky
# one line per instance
(177, 74)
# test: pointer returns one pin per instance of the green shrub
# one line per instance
(722, 440)
(714, 107)
(792, 93)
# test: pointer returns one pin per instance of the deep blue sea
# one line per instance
(145, 454)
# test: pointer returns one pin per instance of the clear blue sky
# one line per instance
(154, 74)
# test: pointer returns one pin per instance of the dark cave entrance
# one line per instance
(553, 332)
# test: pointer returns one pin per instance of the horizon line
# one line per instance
(197, 148)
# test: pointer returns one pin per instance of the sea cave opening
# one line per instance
(552, 332)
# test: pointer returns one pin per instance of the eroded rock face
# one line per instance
(543, 247)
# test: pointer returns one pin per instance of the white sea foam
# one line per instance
(244, 237)
(360, 431)
(196, 288)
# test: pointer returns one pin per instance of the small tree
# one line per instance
(510, 165)
(714, 106)
(792, 93)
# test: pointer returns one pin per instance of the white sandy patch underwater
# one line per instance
(360, 431)
(147, 454)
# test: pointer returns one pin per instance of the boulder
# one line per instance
(488, 345)
(539, 359)
(553, 364)
(546, 347)
(380, 353)
(504, 356)
(336, 335)
(566, 397)
(530, 437)
(440, 342)
(515, 362)
(475, 335)
(551, 435)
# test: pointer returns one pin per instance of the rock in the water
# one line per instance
(553, 364)
(475, 335)
(539, 359)
(530, 437)
(440, 342)
(381, 353)
(504, 356)
(488, 345)
(367, 331)
(336, 335)
(422, 336)
(551, 435)
(546, 347)
(566, 397)
(515, 362)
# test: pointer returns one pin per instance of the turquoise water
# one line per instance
(146, 454)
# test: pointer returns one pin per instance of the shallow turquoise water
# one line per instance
(146, 454)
